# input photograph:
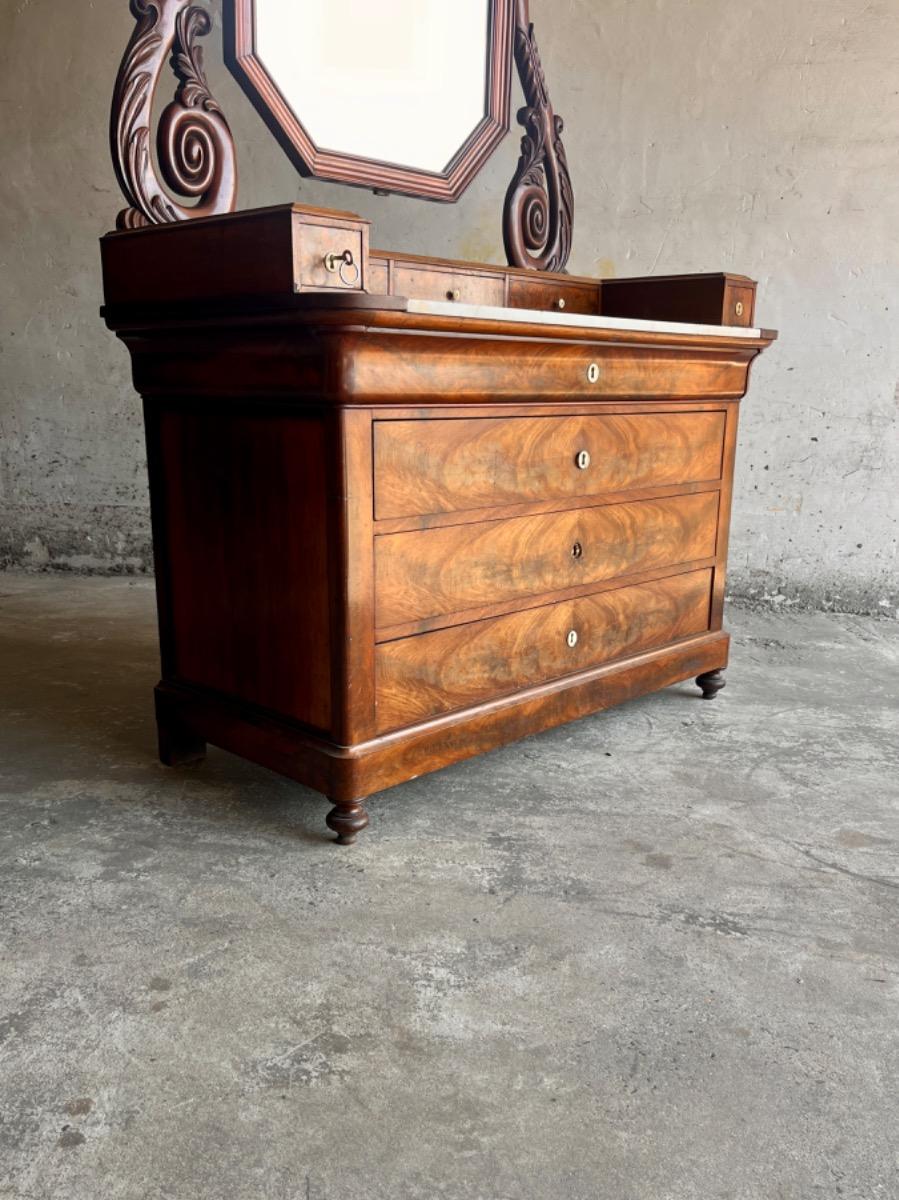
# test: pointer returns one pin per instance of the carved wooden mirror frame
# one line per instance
(195, 154)
(356, 170)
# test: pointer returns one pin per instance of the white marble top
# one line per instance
(492, 312)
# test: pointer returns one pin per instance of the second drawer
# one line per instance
(432, 572)
(420, 677)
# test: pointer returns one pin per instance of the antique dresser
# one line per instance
(407, 510)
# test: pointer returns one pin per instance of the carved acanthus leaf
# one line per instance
(539, 213)
(195, 149)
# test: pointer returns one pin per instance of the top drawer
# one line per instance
(438, 466)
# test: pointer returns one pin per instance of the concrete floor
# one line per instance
(651, 956)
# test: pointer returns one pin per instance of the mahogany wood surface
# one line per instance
(418, 677)
(372, 536)
(450, 570)
(195, 156)
(538, 215)
(713, 299)
(240, 255)
(347, 773)
(236, 617)
(446, 465)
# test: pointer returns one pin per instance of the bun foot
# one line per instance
(347, 819)
(178, 747)
(711, 683)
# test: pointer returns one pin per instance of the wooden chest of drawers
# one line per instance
(391, 534)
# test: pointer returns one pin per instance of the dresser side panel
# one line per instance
(240, 523)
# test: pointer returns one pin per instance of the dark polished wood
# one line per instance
(538, 216)
(419, 677)
(451, 570)
(353, 170)
(194, 148)
(706, 299)
(711, 683)
(178, 747)
(347, 818)
(376, 529)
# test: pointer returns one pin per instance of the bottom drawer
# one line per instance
(420, 677)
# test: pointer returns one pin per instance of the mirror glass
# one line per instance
(399, 81)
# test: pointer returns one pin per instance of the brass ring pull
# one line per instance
(338, 263)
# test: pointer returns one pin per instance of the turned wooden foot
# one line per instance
(711, 683)
(347, 818)
(178, 747)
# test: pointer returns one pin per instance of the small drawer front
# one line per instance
(343, 249)
(429, 283)
(424, 676)
(424, 467)
(434, 572)
(739, 306)
(550, 296)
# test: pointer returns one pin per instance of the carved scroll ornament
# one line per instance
(194, 147)
(539, 211)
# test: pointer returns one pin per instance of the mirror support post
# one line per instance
(538, 216)
(194, 146)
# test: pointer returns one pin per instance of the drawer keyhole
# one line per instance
(583, 460)
(593, 373)
(577, 550)
(572, 638)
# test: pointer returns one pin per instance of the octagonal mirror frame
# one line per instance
(339, 167)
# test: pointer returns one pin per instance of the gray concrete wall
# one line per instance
(703, 135)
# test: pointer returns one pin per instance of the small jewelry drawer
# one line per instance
(330, 252)
(421, 677)
(439, 466)
(435, 572)
(553, 296)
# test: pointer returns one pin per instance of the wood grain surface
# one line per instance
(418, 677)
(242, 584)
(449, 570)
(443, 466)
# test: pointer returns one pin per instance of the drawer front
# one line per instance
(429, 283)
(440, 466)
(312, 246)
(551, 296)
(420, 677)
(434, 572)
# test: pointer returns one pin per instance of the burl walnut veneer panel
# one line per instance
(450, 570)
(444, 466)
(418, 677)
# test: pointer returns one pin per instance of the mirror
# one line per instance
(397, 95)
